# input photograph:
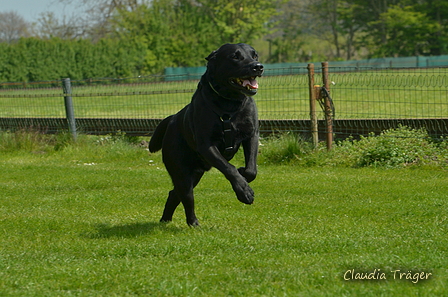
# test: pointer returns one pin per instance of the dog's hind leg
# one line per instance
(188, 203)
(188, 198)
(185, 169)
(170, 206)
(183, 192)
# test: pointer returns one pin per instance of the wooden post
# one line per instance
(328, 109)
(313, 114)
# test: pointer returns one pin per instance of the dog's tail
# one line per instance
(155, 144)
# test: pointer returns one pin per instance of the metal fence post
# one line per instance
(69, 110)
(313, 114)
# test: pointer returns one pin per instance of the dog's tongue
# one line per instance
(253, 84)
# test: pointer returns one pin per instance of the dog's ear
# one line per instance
(212, 56)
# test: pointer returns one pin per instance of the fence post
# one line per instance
(313, 114)
(69, 110)
(327, 104)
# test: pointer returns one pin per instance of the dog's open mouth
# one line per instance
(249, 83)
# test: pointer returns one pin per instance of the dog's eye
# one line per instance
(236, 55)
(254, 55)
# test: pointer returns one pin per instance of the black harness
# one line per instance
(226, 119)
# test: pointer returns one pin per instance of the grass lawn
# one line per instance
(85, 223)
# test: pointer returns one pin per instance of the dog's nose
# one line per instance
(258, 67)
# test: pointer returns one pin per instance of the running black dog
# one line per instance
(208, 132)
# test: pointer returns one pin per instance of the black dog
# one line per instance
(208, 131)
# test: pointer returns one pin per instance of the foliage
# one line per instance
(12, 26)
(396, 147)
(408, 32)
(392, 148)
(403, 27)
(377, 28)
(131, 38)
(49, 25)
(284, 148)
(239, 21)
(146, 40)
(33, 141)
(32, 59)
(182, 32)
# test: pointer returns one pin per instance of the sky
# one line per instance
(30, 9)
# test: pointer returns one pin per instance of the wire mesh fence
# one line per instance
(390, 93)
(366, 99)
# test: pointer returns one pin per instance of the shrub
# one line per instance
(394, 148)
(283, 148)
(24, 140)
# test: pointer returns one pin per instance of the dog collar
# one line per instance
(214, 90)
(219, 94)
(220, 112)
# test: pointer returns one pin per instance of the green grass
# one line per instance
(406, 93)
(82, 220)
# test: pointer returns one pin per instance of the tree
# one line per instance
(381, 28)
(94, 17)
(49, 26)
(239, 21)
(12, 27)
(287, 38)
(147, 27)
(436, 11)
(339, 23)
(183, 32)
(407, 32)
(350, 15)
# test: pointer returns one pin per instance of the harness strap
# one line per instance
(229, 135)
(229, 132)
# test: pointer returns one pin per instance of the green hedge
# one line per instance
(32, 59)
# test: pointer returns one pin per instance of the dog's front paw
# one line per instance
(244, 193)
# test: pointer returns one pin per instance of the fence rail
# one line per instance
(366, 100)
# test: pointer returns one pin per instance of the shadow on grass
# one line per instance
(131, 230)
